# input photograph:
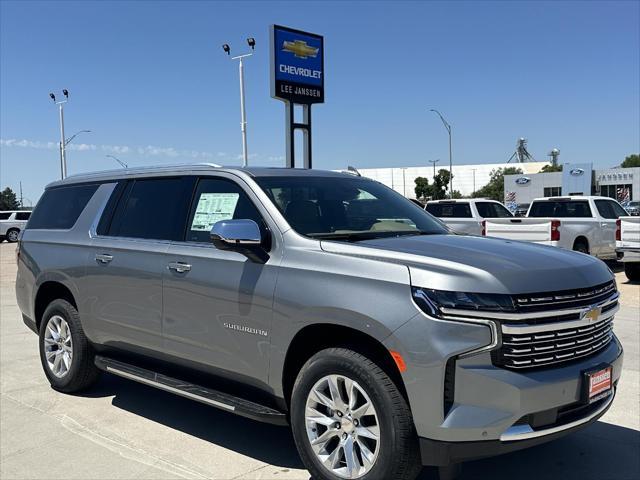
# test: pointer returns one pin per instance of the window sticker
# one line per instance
(212, 208)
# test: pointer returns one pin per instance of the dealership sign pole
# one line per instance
(297, 78)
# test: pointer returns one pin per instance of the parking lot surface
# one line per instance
(124, 430)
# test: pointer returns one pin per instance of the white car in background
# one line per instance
(585, 224)
(467, 215)
(12, 222)
(628, 245)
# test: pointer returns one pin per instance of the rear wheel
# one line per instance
(65, 353)
(12, 235)
(350, 421)
(581, 246)
(632, 271)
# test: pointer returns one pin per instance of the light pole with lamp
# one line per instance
(122, 164)
(243, 114)
(434, 167)
(63, 157)
(448, 127)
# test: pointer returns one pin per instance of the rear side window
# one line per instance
(561, 209)
(492, 210)
(449, 210)
(610, 209)
(23, 215)
(60, 207)
(153, 209)
(5, 215)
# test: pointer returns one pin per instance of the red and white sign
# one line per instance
(599, 382)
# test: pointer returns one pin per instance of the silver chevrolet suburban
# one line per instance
(321, 300)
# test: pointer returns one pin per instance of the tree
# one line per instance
(456, 194)
(551, 168)
(632, 160)
(440, 184)
(495, 188)
(8, 200)
(423, 189)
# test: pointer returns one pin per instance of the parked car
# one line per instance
(584, 224)
(466, 215)
(522, 209)
(628, 245)
(633, 208)
(323, 300)
(12, 222)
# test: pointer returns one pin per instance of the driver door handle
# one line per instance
(103, 258)
(179, 267)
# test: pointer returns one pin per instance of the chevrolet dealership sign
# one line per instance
(297, 65)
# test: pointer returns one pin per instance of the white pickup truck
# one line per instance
(466, 215)
(584, 224)
(12, 222)
(628, 245)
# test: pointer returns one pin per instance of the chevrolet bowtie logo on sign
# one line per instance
(300, 49)
(593, 314)
(297, 66)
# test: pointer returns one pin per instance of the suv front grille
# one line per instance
(554, 328)
(553, 346)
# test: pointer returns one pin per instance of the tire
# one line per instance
(12, 235)
(81, 372)
(581, 246)
(395, 454)
(632, 271)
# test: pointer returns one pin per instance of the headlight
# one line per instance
(432, 301)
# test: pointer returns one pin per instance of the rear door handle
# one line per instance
(179, 267)
(104, 258)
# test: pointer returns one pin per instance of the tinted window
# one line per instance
(23, 215)
(492, 210)
(216, 200)
(609, 209)
(153, 209)
(5, 215)
(60, 207)
(561, 209)
(449, 210)
(350, 208)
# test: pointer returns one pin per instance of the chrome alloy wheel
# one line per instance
(342, 426)
(13, 236)
(58, 346)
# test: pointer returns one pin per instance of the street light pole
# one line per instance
(448, 127)
(63, 143)
(122, 164)
(474, 179)
(434, 167)
(243, 113)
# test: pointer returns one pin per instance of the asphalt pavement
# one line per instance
(124, 430)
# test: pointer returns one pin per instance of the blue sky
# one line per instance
(152, 83)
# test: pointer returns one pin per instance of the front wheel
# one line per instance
(13, 235)
(350, 421)
(632, 271)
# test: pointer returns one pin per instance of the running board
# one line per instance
(213, 398)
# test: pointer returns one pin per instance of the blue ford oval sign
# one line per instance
(522, 180)
(576, 172)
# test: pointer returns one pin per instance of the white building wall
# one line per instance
(402, 179)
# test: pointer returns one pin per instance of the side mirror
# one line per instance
(242, 236)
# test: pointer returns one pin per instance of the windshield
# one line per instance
(346, 208)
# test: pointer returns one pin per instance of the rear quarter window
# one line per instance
(5, 215)
(449, 210)
(60, 207)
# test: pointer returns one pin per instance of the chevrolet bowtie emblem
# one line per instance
(593, 314)
(300, 49)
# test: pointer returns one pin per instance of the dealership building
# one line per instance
(466, 178)
(623, 184)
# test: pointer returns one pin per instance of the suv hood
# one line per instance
(481, 264)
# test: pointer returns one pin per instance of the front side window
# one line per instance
(449, 210)
(492, 210)
(561, 209)
(23, 215)
(60, 207)
(346, 208)
(153, 209)
(216, 200)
